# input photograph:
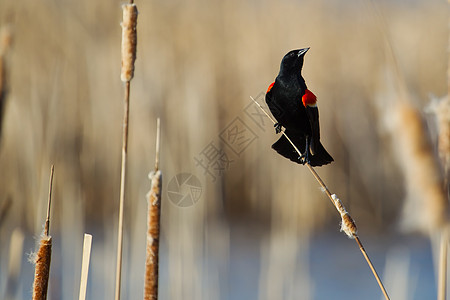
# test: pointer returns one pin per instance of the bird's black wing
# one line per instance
(313, 116)
(271, 103)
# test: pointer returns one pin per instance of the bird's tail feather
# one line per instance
(283, 147)
(321, 157)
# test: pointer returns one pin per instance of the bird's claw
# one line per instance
(277, 127)
(304, 158)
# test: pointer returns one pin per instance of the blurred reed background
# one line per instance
(261, 229)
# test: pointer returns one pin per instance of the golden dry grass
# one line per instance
(197, 64)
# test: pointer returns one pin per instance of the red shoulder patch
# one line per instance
(270, 87)
(309, 98)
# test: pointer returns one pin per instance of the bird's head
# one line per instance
(292, 62)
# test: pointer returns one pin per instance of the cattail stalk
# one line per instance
(43, 256)
(444, 152)
(347, 223)
(4, 210)
(129, 41)
(442, 278)
(5, 44)
(87, 244)
(153, 227)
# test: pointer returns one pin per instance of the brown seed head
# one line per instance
(129, 41)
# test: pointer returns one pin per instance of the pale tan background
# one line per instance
(197, 64)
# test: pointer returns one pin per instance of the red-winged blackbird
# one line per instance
(295, 108)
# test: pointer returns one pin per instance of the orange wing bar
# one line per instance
(270, 87)
(309, 98)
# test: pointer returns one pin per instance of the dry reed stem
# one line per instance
(153, 227)
(442, 279)
(448, 57)
(4, 209)
(122, 190)
(85, 265)
(158, 143)
(129, 41)
(443, 117)
(347, 223)
(43, 256)
(5, 44)
(444, 135)
(2, 78)
(50, 186)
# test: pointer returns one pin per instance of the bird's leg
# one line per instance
(277, 127)
(304, 158)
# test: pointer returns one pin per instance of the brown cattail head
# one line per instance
(440, 108)
(426, 206)
(348, 226)
(129, 41)
(153, 222)
(42, 269)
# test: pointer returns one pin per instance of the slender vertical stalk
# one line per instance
(347, 223)
(443, 264)
(50, 187)
(153, 227)
(4, 210)
(122, 191)
(85, 265)
(158, 138)
(442, 279)
(129, 41)
(448, 56)
(5, 44)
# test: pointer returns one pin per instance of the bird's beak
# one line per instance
(302, 51)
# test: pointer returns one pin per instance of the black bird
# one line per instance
(295, 108)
